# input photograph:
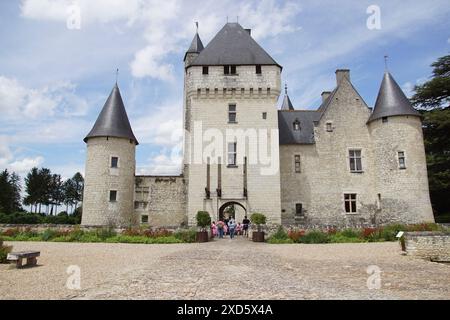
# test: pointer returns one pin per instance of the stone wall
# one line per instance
(433, 246)
(207, 100)
(385, 193)
(162, 199)
(100, 179)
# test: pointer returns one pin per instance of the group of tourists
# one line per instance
(229, 227)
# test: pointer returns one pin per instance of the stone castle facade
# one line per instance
(340, 165)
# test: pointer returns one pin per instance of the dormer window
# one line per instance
(296, 125)
(229, 69)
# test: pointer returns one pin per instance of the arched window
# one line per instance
(296, 125)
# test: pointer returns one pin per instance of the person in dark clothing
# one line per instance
(245, 224)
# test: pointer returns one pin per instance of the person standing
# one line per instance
(245, 225)
(220, 226)
(214, 229)
(231, 227)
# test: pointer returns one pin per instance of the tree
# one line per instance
(56, 193)
(10, 192)
(32, 189)
(70, 193)
(79, 186)
(433, 98)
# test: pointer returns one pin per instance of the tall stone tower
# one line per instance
(110, 167)
(231, 85)
(399, 156)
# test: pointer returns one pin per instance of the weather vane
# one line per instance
(117, 75)
(386, 57)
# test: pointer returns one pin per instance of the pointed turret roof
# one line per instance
(233, 45)
(287, 104)
(113, 120)
(392, 101)
(196, 45)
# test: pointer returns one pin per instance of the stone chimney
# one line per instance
(325, 95)
(341, 73)
(249, 31)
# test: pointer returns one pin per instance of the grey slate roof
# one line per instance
(391, 101)
(286, 121)
(233, 45)
(113, 120)
(196, 45)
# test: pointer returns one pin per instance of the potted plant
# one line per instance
(258, 219)
(203, 221)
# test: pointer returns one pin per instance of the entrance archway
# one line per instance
(228, 210)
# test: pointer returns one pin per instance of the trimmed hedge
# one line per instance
(386, 233)
(34, 218)
(102, 235)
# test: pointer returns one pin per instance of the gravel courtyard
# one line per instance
(224, 269)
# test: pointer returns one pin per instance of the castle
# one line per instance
(343, 164)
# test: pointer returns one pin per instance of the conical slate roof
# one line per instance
(233, 45)
(113, 120)
(196, 45)
(392, 101)
(287, 104)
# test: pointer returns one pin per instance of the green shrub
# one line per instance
(349, 233)
(186, 235)
(280, 241)
(281, 234)
(315, 237)
(258, 219)
(105, 233)
(49, 234)
(339, 238)
(203, 220)
(4, 250)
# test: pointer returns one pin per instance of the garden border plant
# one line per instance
(259, 219)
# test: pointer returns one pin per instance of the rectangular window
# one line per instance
(329, 127)
(229, 69)
(114, 162)
(401, 160)
(232, 113)
(205, 70)
(264, 115)
(112, 196)
(299, 209)
(350, 202)
(355, 160)
(296, 125)
(144, 219)
(232, 153)
(258, 69)
(384, 119)
(297, 164)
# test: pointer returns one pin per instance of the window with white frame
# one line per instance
(350, 202)
(297, 164)
(401, 160)
(114, 162)
(296, 125)
(232, 154)
(232, 113)
(355, 158)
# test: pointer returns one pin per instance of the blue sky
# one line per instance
(54, 80)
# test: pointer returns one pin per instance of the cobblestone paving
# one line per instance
(225, 269)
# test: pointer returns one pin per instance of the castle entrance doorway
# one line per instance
(232, 209)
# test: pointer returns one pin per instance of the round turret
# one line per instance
(399, 153)
(110, 168)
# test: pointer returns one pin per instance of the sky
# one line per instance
(58, 61)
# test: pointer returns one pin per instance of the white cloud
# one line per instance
(18, 102)
(103, 11)
(162, 164)
(24, 165)
(163, 127)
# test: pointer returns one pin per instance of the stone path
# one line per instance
(227, 270)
